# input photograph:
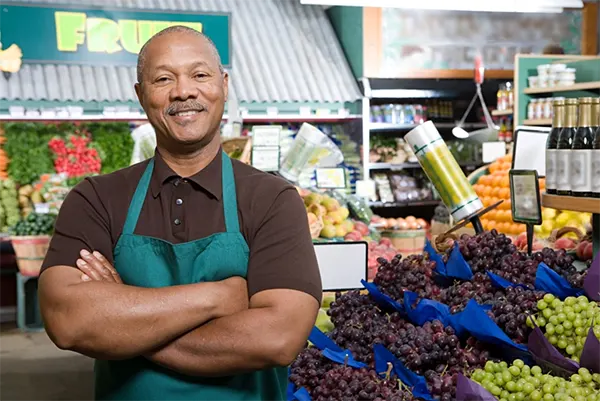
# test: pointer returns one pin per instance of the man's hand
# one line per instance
(95, 267)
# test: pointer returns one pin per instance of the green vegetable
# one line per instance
(114, 144)
(34, 224)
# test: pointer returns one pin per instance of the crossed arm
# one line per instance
(204, 329)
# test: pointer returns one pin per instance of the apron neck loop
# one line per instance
(135, 207)
(232, 222)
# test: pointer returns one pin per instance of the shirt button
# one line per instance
(179, 201)
(176, 182)
(177, 222)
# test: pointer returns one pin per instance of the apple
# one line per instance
(564, 243)
(580, 251)
(386, 242)
(361, 227)
(353, 236)
(588, 252)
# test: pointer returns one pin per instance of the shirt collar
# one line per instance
(208, 179)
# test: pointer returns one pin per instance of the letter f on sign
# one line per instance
(70, 28)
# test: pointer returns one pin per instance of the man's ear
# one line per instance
(225, 84)
(138, 92)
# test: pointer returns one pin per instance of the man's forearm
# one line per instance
(246, 341)
(114, 321)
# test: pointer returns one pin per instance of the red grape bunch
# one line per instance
(511, 312)
(413, 273)
(480, 289)
(483, 251)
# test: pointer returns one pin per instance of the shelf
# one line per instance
(407, 127)
(401, 166)
(576, 87)
(508, 112)
(542, 121)
(404, 204)
(589, 205)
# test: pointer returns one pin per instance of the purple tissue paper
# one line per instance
(545, 354)
(468, 390)
(590, 355)
(591, 283)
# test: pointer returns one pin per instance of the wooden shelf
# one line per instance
(542, 121)
(589, 205)
(577, 87)
(502, 112)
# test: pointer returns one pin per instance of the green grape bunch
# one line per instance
(566, 323)
(519, 382)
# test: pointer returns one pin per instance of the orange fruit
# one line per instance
(491, 225)
(496, 181)
(506, 166)
(487, 191)
(504, 193)
(491, 215)
(505, 182)
(496, 192)
(485, 200)
(542, 183)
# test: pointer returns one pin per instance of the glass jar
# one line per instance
(510, 95)
(547, 108)
(531, 109)
(539, 109)
(501, 97)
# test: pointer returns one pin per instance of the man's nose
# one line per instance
(185, 88)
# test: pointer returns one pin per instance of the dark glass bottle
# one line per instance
(596, 148)
(581, 151)
(558, 119)
(563, 148)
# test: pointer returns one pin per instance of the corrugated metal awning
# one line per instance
(282, 51)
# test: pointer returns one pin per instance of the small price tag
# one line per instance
(331, 178)
(266, 135)
(366, 189)
(42, 208)
(266, 158)
(525, 197)
(492, 151)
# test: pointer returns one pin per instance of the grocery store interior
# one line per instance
(447, 152)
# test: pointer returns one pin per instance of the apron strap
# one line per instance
(135, 207)
(232, 223)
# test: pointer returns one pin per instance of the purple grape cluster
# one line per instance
(510, 312)
(483, 251)
(346, 383)
(480, 289)
(414, 273)
(518, 268)
(308, 367)
(561, 263)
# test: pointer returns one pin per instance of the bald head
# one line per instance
(172, 30)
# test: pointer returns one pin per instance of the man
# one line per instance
(195, 276)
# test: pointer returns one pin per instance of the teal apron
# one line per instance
(151, 262)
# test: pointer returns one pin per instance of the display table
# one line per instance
(589, 205)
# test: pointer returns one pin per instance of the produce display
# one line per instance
(400, 223)
(34, 224)
(432, 349)
(3, 156)
(9, 204)
(326, 212)
(521, 382)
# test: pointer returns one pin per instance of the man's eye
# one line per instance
(162, 79)
(201, 75)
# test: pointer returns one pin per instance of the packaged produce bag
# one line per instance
(548, 280)
(416, 383)
(144, 139)
(468, 390)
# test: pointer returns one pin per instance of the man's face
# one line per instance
(183, 92)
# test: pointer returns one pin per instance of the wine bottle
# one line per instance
(563, 149)
(581, 151)
(596, 148)
(552, 143)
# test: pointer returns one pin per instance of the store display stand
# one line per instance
(589, 205)
(29, 317)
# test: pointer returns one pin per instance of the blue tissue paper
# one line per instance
(440, 267)
(417, 384)
(302, 395)
(331, 350)
(501, 282)
(457, 266)
(426, 310)
(383, 300)
(548, 280)
(476, 321)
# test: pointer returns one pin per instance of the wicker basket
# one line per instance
(241, 144)
(406, 242)
(30, 251)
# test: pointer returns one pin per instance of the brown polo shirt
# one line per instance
(271, 213)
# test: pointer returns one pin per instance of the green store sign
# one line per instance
(99, 36)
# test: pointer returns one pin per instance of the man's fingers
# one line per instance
(89, 271)
(107, 264)
(97, 265)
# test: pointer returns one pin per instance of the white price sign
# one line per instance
(266, 135)
(342, 264)
(266, 158)
(331, 178)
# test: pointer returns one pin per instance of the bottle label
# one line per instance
(581, 171)
(563, 170)
(595, 170)
(551, 168)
